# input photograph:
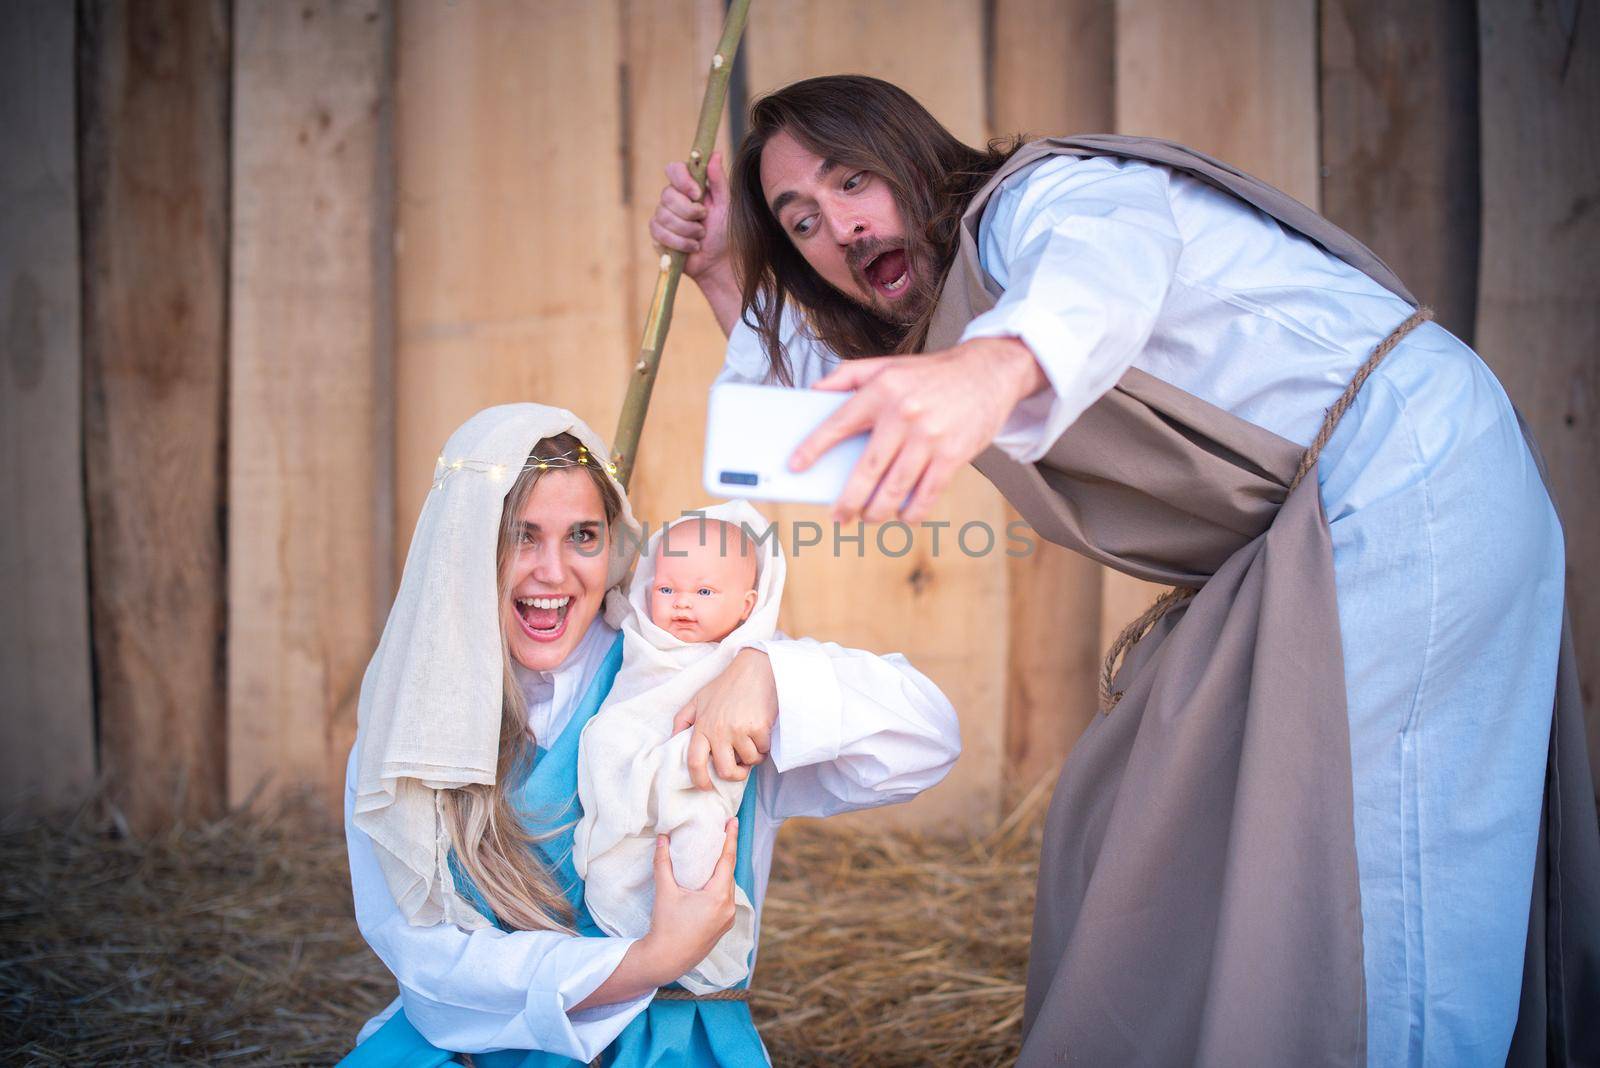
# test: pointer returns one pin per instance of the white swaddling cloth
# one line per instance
(633, 775)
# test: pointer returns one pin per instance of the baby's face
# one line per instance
(703, 588)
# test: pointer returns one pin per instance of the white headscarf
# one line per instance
(429, 717)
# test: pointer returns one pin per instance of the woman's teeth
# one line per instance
(544, 615)
(544, 602)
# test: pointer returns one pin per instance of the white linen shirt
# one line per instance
(1108, 264)
(854, 730)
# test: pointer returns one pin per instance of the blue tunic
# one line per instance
(710, 1033)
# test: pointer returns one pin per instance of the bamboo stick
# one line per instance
(625, 444)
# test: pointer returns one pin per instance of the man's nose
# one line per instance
(847, 227)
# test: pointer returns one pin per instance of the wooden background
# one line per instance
(258, 258)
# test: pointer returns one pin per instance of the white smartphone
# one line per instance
(750, 432)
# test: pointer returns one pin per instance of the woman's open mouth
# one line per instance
(888, 273)
(544, 619)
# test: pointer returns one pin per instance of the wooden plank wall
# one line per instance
(46, 699)
(1399, 107)
(1051, 72)
(382, 292)
(508, 281)
(946, 612)
(1236, 79)
(309, 528)
(1539, 294)
(153, 165)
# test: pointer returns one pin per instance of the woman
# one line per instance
(461, 790)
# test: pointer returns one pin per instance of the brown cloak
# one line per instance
(1198, 899)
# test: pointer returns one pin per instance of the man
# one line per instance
(1133, 340)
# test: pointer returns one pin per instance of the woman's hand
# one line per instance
(928, 415)
(684, 926)
(732, 716)
(687, 221)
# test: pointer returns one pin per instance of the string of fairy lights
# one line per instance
(446, 467)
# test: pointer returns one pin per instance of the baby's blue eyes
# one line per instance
(666, 591)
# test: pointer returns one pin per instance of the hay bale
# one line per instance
(234, 943)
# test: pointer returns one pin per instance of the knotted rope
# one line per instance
(666, 994)
(1133, 632)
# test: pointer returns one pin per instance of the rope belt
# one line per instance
(1133, 632)
(667, 994)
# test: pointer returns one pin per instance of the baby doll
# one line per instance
(703, 590)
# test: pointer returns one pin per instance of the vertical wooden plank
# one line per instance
(1236, 79)
(309, 457)
(1538, 316)
(46, 701)
(153, 93)
(511, 272)
(1050, 73)
(1399, 99)
(667, 47)
(946, 611)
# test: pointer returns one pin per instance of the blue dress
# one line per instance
(688, 1033)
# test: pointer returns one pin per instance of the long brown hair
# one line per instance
(492, 843)
(865, 124)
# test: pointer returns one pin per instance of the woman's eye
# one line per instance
(583, 536)
(526, 537)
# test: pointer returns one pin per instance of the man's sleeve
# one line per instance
(1086, 251)
(746, 361)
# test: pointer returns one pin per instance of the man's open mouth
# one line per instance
(889, 272)
(544, 618)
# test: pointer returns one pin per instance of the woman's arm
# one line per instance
(854, 730)
(487, 989)
(845, 728)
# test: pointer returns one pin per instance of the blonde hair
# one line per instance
(493, 845)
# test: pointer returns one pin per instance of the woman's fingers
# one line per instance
(662, 865)
(699, 755)
(722, 874)
(685, 717)
(727, 763)
(748, 753)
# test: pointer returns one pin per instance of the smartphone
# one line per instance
(750, 432)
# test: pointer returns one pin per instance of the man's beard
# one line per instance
(907, 310)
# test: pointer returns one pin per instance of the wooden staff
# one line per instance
(626, 442)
